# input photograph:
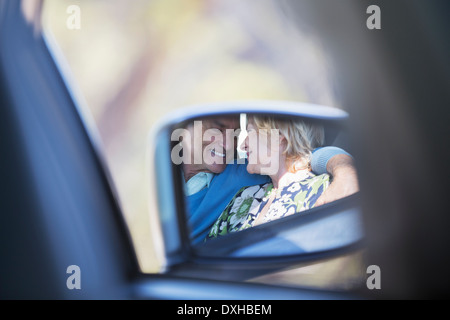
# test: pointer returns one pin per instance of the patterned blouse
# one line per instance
(248, 202)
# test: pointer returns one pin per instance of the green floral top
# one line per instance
(248, 202)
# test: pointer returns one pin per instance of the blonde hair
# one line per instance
(301, 138)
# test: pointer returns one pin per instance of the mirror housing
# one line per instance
(267, 247)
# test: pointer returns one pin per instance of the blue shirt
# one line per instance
(205, 206)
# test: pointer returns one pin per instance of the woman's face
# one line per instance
(264, 150)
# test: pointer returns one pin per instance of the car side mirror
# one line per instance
(226, 195)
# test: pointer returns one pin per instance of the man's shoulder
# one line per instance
(236, 166)
(237, 173)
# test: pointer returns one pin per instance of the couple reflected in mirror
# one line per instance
(280, 149)
(285, 170)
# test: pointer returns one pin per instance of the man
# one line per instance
(212, 177)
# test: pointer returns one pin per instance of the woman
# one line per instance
(294, 188)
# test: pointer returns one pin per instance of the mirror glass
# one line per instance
(247, 171)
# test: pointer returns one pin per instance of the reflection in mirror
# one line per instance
(245, 170)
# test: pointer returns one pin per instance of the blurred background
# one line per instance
(135, 61)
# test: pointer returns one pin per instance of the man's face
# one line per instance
(213, 144)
